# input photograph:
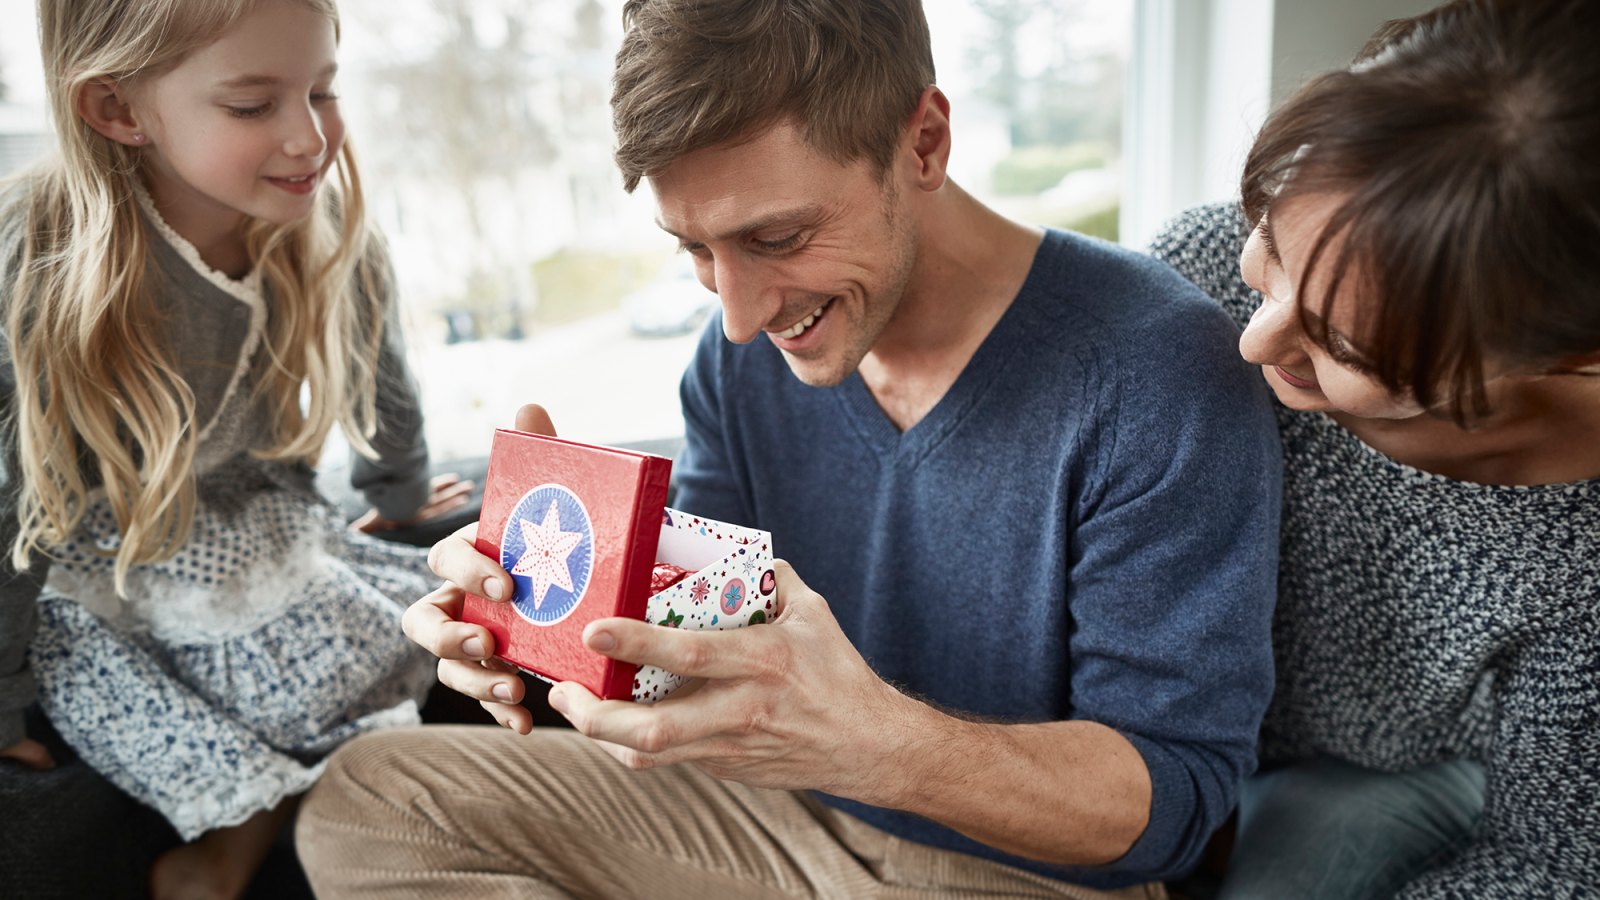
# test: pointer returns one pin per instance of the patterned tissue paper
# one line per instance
(585, 534)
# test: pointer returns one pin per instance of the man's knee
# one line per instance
(364, 790)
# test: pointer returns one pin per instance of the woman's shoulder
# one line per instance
(1369, 528)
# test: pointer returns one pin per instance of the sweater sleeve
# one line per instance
(396, 481)
(1173, 577)
(1539, 836)
(19, 591)
(705, 474)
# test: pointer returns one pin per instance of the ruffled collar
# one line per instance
(246, 290)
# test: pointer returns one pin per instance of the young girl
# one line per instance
(1422, 291)
(192, 299)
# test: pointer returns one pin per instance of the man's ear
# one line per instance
(104, 106)
(928, 135)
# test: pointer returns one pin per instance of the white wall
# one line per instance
(1206, 72)
(1311, 36)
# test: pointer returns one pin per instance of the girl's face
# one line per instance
(1304, 374)
(245, 127)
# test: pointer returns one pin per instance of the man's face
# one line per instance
(813, 253)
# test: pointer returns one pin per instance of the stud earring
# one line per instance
(138, 138)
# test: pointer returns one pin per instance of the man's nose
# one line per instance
(749, 299)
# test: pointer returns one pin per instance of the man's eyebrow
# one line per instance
(244, 81)
(795, 216)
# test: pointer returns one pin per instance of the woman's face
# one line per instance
(1335, 376)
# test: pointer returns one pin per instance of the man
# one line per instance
(1027, 470)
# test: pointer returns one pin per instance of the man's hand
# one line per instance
(466, 652)
(788, 705)
(446, 493)
(30, 753)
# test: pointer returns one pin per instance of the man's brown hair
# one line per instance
(1465, 144)
(693, 74)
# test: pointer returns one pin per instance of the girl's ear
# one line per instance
(104, 106)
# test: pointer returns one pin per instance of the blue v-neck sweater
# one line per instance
(1084, 527)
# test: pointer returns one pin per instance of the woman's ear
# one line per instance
(104, 106)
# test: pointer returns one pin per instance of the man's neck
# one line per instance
(971, 263)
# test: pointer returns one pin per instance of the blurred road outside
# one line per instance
(601, 382)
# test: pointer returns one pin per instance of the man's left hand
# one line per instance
(789, 705)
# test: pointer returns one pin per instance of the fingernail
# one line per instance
(473, 647)
(558, 701)
(493, 589)
(502, 692)
(602, 641)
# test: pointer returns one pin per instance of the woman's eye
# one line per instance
(1346, 355)
(248, 112)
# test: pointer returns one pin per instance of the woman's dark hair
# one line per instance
(1466, 145)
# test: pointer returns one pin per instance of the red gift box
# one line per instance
(578, 527)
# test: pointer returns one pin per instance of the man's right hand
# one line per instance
(466, 652)
(30, 753)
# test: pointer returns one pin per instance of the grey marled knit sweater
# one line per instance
(1422, 618)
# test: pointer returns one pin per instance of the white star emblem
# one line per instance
(545, 559)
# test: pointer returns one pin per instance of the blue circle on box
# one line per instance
(548, 547)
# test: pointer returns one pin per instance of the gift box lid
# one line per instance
(576, 525)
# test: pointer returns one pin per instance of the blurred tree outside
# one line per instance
(490, 158)
(1060, 89)
(1103, 224)
(1034, 169)
(1070, 93)
(578, 283)
(480, 100)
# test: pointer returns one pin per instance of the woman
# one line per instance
(1421, 287)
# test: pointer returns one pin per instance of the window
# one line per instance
(485, 133)
(527, 273)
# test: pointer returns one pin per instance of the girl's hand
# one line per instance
(446, 492)
(30, 753)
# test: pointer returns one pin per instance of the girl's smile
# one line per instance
(243, 128)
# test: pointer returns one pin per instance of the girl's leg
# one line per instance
(220, 863)
(114, 700)
(1329, 830)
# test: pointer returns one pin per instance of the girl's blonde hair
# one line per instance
(95, 391)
